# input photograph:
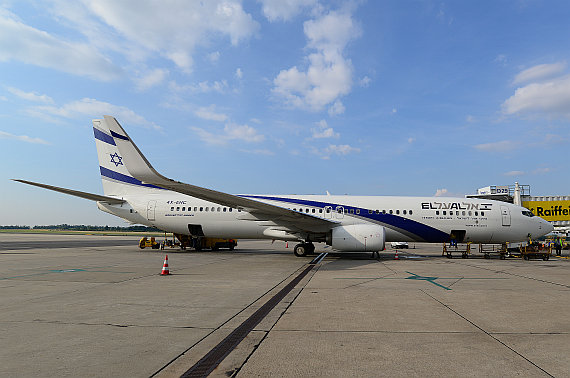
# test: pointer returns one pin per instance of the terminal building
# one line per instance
(555, 209)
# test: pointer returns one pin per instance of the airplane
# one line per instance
(136, 192)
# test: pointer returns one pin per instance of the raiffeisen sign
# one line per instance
(549, 210)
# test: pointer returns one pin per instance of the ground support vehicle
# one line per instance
(151, 242)
(535, 251)
(463, 248)
(488, 249)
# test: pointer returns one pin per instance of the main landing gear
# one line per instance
(304, 249)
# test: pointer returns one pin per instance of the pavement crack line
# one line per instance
(487, 333)
(514, 274)
(226, 322)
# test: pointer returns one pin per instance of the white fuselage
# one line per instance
(422, 219)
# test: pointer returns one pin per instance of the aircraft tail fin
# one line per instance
(117, 181)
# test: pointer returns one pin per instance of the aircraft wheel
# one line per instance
(300, 250)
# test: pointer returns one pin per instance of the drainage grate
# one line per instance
(213, 358)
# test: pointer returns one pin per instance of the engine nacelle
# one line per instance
(358, 238)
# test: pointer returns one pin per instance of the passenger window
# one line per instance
(463, 213)
(195, 208)
(383, 211)
(410, 212)
(313, 211)
(213, 209)
(391, 212)
(377, 211)
(219, 209)
(444, 212)
(294, 209)
(352, 211)
(306, 210)
(205, 209)
(239, 210)
(469, 213)
(357, 211)
(437, 212)
(476, 213)
(178, 208)
(184, 208)
(482, 214)
(404, 212)
(370, 211)
(172, 208)
(230, 209)
(397, 211)
(320, 211)
(224, 210)
(328, 209)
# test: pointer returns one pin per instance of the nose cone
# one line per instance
(547, 227)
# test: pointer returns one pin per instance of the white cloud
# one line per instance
(411, 140)
(323, 131)
(551, 98)
(336, 108)
(328, 75)
(176, 28)
(514, 173)
(501, 59)
(540, 171)
(540, 72)
(91, 108)
(22, 138)
(209, 113)
(440, 192)
(275, 10)
(214, 57)
(30, 96)
(365, 81)
(231, 132)
(239, 73)
(502, 146)
(26, 44)
(150, 79)
(219, 86)
(333, 149)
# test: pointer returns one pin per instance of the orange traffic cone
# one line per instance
(396, 256)
(165, 271)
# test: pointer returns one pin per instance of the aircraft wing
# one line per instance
(139, 167)
(76, 193)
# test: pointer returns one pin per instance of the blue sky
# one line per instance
(284, 96)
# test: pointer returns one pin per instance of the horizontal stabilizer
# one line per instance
(76, 193)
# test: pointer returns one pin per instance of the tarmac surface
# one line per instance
(98, 306)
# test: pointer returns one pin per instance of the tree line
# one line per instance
(82, 227)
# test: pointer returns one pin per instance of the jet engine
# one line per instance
(358, 238)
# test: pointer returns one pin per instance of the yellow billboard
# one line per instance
(549, 210)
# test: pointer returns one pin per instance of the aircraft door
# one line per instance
(506, 215)
(150, 210)
(339, 212)
(328, 212)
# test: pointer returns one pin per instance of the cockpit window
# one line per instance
(528, 213)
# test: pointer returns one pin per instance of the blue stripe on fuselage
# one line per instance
(103, 137)
(425, 232)
(124, 178)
